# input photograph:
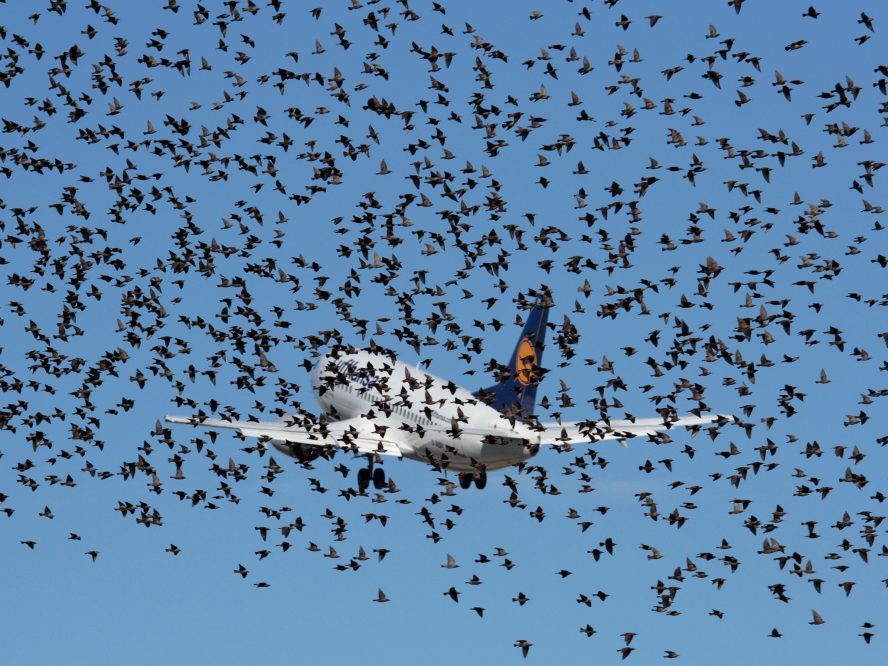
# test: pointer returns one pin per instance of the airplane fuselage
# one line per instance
(401, 397)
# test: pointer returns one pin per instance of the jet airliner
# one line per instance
(375, 405)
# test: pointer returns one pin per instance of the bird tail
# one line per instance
(516, 394)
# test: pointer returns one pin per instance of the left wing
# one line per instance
(581, 432)
(357, 435)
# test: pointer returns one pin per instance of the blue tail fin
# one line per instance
(516, 395)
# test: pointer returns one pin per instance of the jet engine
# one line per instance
(304, 453)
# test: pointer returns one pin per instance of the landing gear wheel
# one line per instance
(465, 481)
(363, 479)
(379, 478)
(481, 481)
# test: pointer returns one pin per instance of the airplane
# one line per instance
(375, 405)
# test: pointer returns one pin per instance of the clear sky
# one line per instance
(186, 191)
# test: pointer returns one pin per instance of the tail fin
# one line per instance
(516, 395)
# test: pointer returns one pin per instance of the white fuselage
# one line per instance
(424, 410)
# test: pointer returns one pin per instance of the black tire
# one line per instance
(465, 481)
(481, 481)
(363, 479)
(379, 478)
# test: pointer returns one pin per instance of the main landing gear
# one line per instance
(369, 474)
(466, 478)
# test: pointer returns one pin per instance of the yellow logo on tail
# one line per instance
(526, 365)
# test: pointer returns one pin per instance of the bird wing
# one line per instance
(355, 434)
(580, 432)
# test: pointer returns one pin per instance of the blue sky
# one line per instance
(140, 604)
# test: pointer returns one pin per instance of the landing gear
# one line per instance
(369, 474)
(363, 478)
(466, 479)
(379, 481)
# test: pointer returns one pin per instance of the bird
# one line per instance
(524, 646)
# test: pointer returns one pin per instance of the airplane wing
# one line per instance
(356, 435)
(580, 432)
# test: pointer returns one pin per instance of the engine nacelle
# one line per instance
(505, 440)
(304, 453)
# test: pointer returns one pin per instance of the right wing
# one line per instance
(581, 432)
(355, 435)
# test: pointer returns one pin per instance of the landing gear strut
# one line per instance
(370, 473)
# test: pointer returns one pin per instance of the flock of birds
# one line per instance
(184, 198)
